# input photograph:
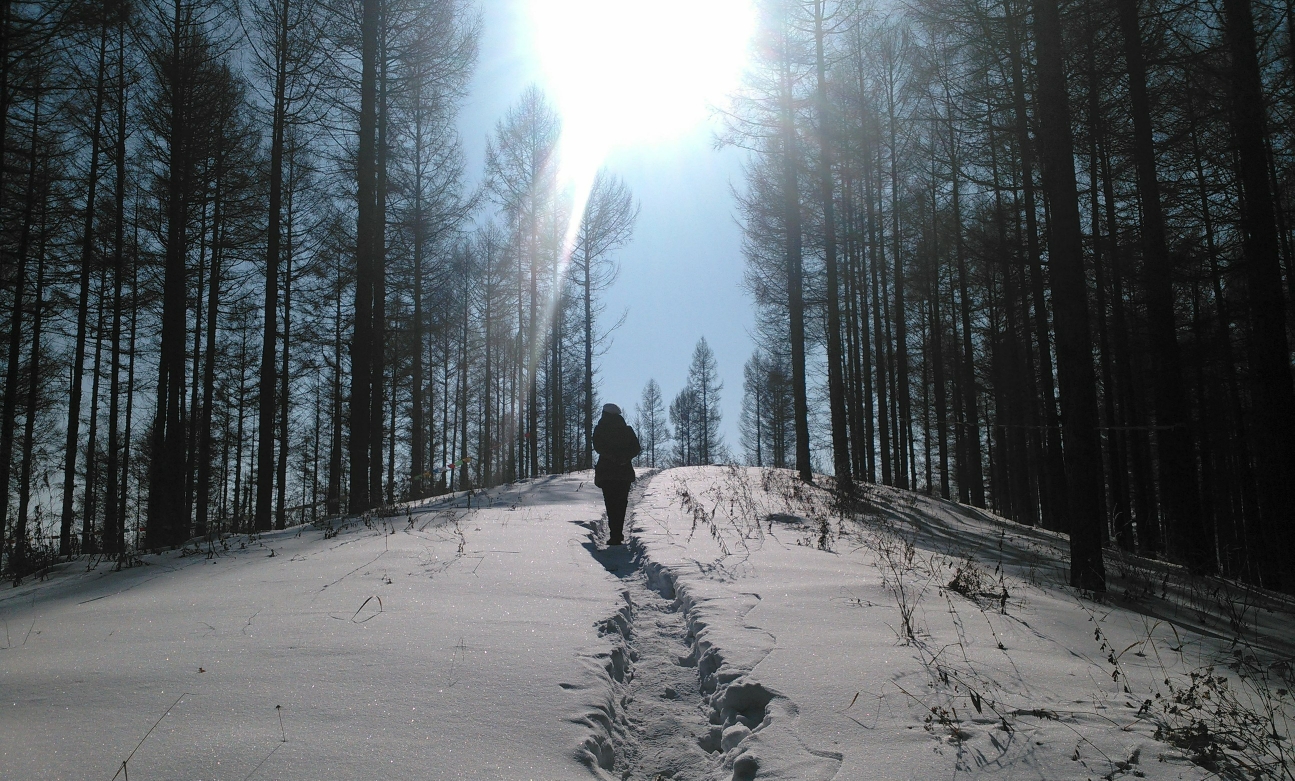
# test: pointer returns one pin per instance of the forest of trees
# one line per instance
(247, 279)
(1038, 258)
(690, 425)
(1034, 257)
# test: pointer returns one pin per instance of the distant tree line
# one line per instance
(246, 280)
(1036, 257)
(690, 423)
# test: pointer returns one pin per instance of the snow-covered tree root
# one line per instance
(674, 708)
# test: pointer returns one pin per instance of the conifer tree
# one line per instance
(650, 425)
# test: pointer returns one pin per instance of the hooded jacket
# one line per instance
(617, 445)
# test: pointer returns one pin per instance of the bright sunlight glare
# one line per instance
(624, 73)
(630, 72)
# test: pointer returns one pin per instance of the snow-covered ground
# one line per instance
(749, 630)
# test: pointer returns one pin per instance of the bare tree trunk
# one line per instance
(856, 342)
(10, 411)
(557, 424)
(15, 340)
(1075, 372)
(970, 397)
(366, 258)
(1115, 440)
(531, 452)
(280, 512)
(5, 47)
(1269, 347)
(863, 239)
(888, 409)
(587, 299)
(487, 405)
(1012, 420)
(166, 466)
(959, 412)
(464, 474)
(268, 384)
(1137, 439)
(903, 418)
(924, 319)
(1175, 449)
(937, 346)
(238, 438)
(19, 564)
(878, 332)
(794, 259)
(391, 441)
(1116, 448)
(333, 500)
(1243, 489)
(91, 460)
(130, 395)
(203, 491)
(1054, 489)
(83, 300)
(113, 517)
(378, 334)
(191, 444)
(835, 383)
(314, 461)
(417, 442)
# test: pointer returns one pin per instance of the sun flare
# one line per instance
(628, 73)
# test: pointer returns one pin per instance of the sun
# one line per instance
(627, 73)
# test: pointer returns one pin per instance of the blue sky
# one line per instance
(681, 276)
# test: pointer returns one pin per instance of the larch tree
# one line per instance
(650, 424)
(606, 225)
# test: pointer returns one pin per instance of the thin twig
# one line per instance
(146, 734)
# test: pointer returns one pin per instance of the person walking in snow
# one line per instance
(617, 445)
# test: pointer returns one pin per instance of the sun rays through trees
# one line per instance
(249, 281)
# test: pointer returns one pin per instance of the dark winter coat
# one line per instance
(617, 445)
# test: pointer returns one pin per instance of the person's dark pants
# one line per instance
(616, 496)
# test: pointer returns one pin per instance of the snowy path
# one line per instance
(657, 726)
(746, 632)
(463, 645)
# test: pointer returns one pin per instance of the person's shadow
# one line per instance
(626, 560)
(623, 561)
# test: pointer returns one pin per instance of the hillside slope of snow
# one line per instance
(465, 644)
(917, 638)
(749, 630)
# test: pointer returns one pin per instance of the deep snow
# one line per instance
(749, 630)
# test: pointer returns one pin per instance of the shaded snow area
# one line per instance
(751, 629)
(463, 644)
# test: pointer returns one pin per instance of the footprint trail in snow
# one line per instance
(660, 725)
